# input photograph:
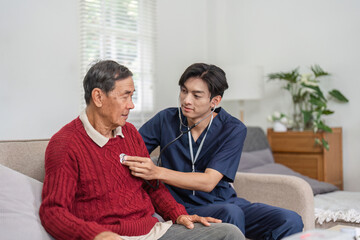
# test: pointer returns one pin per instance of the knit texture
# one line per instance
(87, 190)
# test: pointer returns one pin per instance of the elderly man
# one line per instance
(89, 194)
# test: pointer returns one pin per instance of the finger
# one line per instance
(141, 175)
(131, 160)
(133, 164)
(203, 221)
(213, 220)
(186, 221)
(188, 224)
(135, 159)
(138, 170)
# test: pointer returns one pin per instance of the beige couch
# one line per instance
(289, 192)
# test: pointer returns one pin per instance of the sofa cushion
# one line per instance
(275, 168)
(255, 139)
(20, 199)
(255, 158)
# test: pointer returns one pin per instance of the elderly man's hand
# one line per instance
(107, 236)
(189, 220)
(142, 167)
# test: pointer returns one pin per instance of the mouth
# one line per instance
(187, 109)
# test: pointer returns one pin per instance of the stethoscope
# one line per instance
(188, 129)
(182, 132)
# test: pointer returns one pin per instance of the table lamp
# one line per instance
(245, 83)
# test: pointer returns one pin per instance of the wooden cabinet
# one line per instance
(298, 151)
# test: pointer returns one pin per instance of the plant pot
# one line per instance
(279, 127)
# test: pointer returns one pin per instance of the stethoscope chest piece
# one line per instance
(122, 157)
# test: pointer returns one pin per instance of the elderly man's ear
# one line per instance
(97, 96)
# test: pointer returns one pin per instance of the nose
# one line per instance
(187, 99)
(130, 104)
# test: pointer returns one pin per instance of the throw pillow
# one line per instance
(20, 199)
(318, 187)
(253, 159)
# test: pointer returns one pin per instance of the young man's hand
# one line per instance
(107, 236)
(142, 167)
(189, 220)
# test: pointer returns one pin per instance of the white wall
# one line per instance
(182, 40)
(39, 66)
(279, 35)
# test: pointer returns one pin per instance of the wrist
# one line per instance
(159, 173)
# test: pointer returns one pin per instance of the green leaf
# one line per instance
(318, 71)
(288, 76)
(324, 127)
(318, 91)
(325, 144)
(327, 112)
(288, 86)
(307, 116)
(338, 95)
(317, 102)
(317, 141)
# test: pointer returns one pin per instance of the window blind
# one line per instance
(124, 31)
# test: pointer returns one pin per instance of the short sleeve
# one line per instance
(151, 133)
(227, 157)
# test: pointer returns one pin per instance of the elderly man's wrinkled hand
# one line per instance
(107, 236)
(189, 220)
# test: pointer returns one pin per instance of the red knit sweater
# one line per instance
(87, 191)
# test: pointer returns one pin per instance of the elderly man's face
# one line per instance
(117, 104)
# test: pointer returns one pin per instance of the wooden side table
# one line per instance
(298, 151)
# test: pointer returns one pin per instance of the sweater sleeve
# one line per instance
(58, 194)
(164, 203)
(161, 198)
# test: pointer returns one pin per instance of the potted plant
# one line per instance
(280, 121)
(309, 101)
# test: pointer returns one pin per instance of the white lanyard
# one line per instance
(193, 160)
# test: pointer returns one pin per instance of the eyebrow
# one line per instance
(198, 91)
(195, 91)
(128, 92)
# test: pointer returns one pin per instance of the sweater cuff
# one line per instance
(177, 212)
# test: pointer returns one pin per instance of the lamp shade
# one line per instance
(245, 82)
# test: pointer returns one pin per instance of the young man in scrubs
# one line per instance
(198, 167)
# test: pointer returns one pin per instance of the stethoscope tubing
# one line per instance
(158, 163)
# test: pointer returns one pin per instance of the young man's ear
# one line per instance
(215, 101)
(97, 97)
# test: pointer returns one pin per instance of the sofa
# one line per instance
(22, 173)
(331, 206)
(257, 157)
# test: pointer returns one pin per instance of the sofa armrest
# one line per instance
(283, 191)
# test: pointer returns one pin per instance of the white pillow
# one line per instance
(20, 199)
